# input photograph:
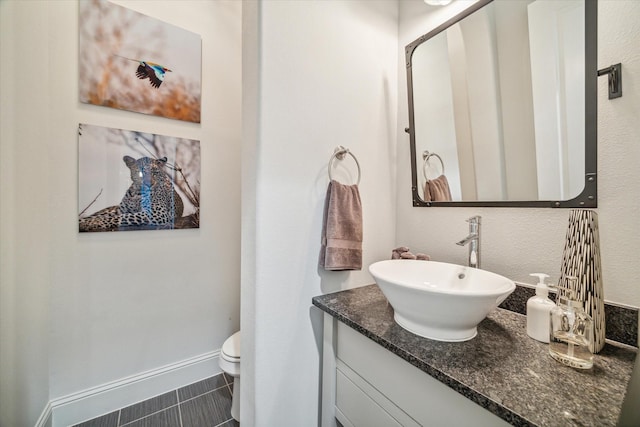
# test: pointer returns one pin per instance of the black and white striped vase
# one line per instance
(581, 259)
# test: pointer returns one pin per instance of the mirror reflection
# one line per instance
(497, 101)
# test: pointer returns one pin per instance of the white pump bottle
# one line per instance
(538, 308)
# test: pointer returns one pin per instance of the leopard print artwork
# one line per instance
(150, 203)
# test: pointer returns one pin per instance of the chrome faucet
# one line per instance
(473, 239)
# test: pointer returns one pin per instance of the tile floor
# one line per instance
(206, 403)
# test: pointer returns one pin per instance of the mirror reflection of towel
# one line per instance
(342, 228)
(437, 190)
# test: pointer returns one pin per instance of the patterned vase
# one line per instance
(581, 259)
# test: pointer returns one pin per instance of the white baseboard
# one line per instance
(45, 417)
(103, 399)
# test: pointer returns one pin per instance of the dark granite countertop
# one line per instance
(502, 368)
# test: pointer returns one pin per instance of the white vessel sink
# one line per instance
(437, 300)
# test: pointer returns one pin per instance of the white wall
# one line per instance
(24, 225)
(81, 310)
(326, 75)
(517, 242)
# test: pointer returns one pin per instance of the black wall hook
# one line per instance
(615, 80)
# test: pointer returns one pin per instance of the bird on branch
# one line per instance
(149, 70)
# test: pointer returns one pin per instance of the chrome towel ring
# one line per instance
(339, 153)
(426, 155)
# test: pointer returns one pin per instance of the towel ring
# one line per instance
(339, 154)
(426, 155)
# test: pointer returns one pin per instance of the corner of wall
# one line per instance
(250, 122)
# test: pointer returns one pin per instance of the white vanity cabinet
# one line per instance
(366, 385)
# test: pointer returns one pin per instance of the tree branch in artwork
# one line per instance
(89, 205)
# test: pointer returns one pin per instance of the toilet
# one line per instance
(230, 364)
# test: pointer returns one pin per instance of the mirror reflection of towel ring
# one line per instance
(426, 155)
(339, 154)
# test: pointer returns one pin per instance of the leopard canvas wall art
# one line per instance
(131, 180)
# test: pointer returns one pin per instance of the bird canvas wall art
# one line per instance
(131, 61)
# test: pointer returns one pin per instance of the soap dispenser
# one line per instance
(538, 309)
(571, 332)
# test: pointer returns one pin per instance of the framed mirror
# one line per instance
(503, 106)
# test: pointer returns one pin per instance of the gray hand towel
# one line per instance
(342, 228)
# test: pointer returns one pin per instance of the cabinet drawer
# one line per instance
(420, 396)
(359, 409)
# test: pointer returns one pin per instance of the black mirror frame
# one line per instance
(588, 198)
